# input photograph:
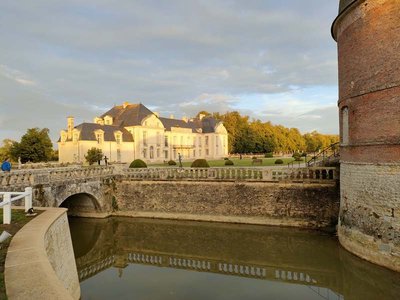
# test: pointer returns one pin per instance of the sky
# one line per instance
(271, 60)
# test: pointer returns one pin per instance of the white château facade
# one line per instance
(131, 131)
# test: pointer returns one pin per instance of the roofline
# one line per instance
(342, 12)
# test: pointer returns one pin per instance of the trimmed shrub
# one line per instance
(229, 163)
(138, 163)
(172, 163)
(298, 158)
(225, 158)
(296, 154)
(279, 161)
(200, 163)
(254, 157)
(269, 155)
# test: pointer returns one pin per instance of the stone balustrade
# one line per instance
(316, 174)
(23, 178)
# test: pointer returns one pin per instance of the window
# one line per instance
(199, 141)
(345, 125)
(166, 141)
(99, 138)
(158, 152)
(199, 152)
(145, 138)
(206, 140)
(207, 152)
(158, 139)
(174, 154)
(151, 152)
(166, 154)
(174, 139)
(216, 141)
(144, 153)
(118, 139)
(194, 153)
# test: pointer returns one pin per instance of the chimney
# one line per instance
(70, 126)
(125, 104)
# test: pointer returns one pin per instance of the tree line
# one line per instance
(245, 136)
(255, 136)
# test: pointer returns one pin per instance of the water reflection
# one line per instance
(157, 259)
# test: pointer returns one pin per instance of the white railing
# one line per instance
(9, 197)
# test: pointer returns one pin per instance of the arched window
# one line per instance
(345, 125)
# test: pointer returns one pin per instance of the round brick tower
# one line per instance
(368, 37)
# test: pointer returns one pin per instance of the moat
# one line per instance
(127, 258)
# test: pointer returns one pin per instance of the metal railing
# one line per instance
(9, 197)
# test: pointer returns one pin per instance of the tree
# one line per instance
(35, 146)
(93, 155)
(5, 150)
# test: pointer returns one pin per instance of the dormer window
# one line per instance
(118, 137)
(63, 136)
(108, 120)
(99, 136)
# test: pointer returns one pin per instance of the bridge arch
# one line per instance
(81, 203)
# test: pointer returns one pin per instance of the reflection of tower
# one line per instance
(368, 34)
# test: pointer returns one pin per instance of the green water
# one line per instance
(126, 258)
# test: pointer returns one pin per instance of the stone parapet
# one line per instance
(40, 261)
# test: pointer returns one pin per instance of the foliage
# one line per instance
(254, 136)
(138, 163)
(172, 163)
(254, 157)
(200, 163)
(35, 146)
(226, 158)
(94, 155)
(279, 161)
(298, 158)
(229, 162)
(5, 150)
(269, 155)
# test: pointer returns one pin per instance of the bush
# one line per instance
(229, 162)
(298, 158)
(296, 154)
(304, 154)
(269, 155)
(172, 163)
(225, 158)
(93, 155)
(138, 163)
(279, 161)
(200, 163)
(254, 157)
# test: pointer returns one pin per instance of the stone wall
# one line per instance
(370, 212)
(304, 205)
(40, 261)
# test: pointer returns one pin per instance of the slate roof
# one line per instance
(131, 115)
(87, 132)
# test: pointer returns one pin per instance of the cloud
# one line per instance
(16, 75)
(74, 57)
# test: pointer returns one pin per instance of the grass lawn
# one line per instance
(18, 219)
(245, 162)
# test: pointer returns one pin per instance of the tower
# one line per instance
(368, 34)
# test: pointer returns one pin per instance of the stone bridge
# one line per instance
(101, 191)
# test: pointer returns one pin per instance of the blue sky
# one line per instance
(271, 60)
